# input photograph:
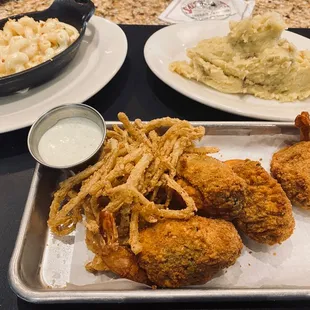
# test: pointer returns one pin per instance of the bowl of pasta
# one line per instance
(36, 46)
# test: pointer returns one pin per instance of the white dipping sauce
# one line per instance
(69, 141)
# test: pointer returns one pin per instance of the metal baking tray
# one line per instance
(28, 268)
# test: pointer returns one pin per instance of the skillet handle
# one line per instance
(85, 8)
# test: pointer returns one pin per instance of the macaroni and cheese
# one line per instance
(25, 43)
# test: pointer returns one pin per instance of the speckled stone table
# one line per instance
(142, 96)
(295, 12)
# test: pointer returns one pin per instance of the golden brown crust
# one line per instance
(222, 190)
(302, 121)
(180, 253)
(193, 192)
(267, 215)
(291, 167)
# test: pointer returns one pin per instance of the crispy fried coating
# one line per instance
(223, 192)
(267, 215)
(302, 121)
(191, 191)
(179, 253)
(291, 167)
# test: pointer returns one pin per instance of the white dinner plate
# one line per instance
(170, 44)
(100, 56)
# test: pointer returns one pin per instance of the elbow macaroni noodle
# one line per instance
(25, 43)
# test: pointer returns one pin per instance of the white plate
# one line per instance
(170, 44)
(100, 56)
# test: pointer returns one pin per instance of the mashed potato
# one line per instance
(251, 59)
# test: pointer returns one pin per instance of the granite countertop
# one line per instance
(295, 12)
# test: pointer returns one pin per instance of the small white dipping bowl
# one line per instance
(50, 118)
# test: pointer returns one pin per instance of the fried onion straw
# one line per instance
(129, 188)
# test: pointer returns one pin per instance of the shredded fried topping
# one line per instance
(123, 190)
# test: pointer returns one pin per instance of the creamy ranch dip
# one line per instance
(69, 141)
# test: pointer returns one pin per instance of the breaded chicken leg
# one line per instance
(179, 253)
(291, 165)
(215, 188)
(267, 215)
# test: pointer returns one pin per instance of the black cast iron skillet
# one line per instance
(73, 12)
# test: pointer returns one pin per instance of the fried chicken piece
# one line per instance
(112, 256)
(178, 253)
(291, 167)
(193, 192)
(267, 215)
(302, 121)
(215, 188)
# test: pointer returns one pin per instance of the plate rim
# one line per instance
(217, 106)
(27, 123)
